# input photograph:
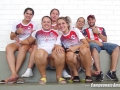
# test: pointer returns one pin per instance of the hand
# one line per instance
(73, 48)
(95, 30)
(59, 49)
(20, 30)
(99, 43)
(17, 41)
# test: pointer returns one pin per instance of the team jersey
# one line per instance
(28, 29)
(45, 39)
(89, 33)
(71, 39)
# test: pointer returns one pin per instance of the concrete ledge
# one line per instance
(51, 77)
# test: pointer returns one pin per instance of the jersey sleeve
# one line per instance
(84, 33)
(34, 34)
(104, 32)
(79, 34)
(58, 40)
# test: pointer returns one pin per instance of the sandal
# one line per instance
(62, 81)
(20, 81)
(42, 81)
(12, 80)
(3, 82)
(88, 79)
(76, 79)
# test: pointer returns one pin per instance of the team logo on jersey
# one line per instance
(51, 33)
(72, 36)
(29, 27)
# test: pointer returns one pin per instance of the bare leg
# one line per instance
(41, 63)
(71, 61)
(21, 56)
(86, 60)
(114, 56)
(10, 49)
(57, 60)
(31, 59)
(96, 58)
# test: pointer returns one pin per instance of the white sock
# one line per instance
(29, 69)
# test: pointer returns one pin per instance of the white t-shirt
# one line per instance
(71, 39)
(28, 29)
(45, 39)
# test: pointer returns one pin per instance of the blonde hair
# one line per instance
(67, 19)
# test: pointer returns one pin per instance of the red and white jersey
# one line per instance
(89, 33)
(46, 39)
(71, 39)
(28, 29)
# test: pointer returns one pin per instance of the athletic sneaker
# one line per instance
(66, 75)
(112, 75)
(100, 77)
(28, 73)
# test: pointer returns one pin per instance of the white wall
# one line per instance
(107, 13)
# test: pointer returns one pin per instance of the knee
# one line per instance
(117, 49)
(8, 49)
(94, 47)
(39, 54)
(84, 51)
(69, 57)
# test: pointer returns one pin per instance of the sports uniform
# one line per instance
(109, 47)
(45, 39)
(28, 29)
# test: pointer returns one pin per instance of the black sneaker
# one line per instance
(112, 75)
(100, 77)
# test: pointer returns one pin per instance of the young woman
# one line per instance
(54, 14)
(21, 30)
(47, 52)
(79, 25)
(74, 42)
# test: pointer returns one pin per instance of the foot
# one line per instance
(43, 81)
(28, 73)
(112, 75)
(100, 77)
(66, 75)
(94, 73)
(88, 79)
(62, 80)
(76, 79)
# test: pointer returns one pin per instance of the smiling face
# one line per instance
(28, 15)
(62, 25)
(91, 22)
(46, 23)
(54, 15)
(80, 23)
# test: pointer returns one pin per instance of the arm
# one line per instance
(101, 35)
(95, 41)
(28, 40)
(13, 36)
(85, 43)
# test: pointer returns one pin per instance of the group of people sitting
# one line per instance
(57, 44)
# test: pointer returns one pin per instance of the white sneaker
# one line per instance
(65, 74)
(28, 73)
